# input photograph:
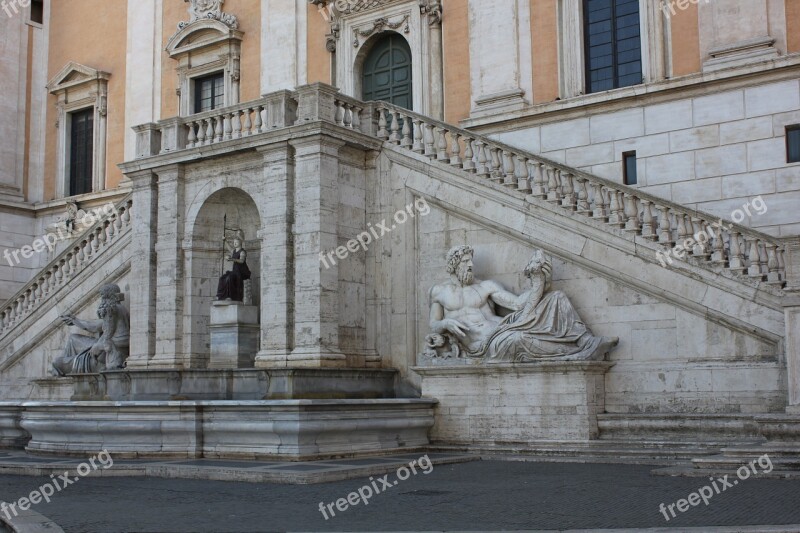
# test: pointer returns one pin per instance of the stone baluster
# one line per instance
(701, 247)
(455, 149)
(539, 189)
(406, 142)
(617, 216)
(418, 146)
(191, 138)
(237, 124)
(38, 292)
(497, 171)
(665, 226)
(717, 246)
(441, 145)
(648, 228)
(684, 228)
(754, 259)
(209, 122)
(218, 129)
(394, 137)
(74, 264)
(763, 259)
(781, 263)
(522, 175)
(736, 261)
(509, 180)
(469, 155)
(248, 122)
(355, 112)
(350, 117)
(483, 167)
(553, 195)
(201, 133)
(3, 320)
(774, 275)
(568, 200)
(599, 204)
(259, 122)
(227, 126)
(338, 115)
(631, 212)
(583, 196)
(382, 125)
(430, 141)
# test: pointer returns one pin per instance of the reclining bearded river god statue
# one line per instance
(543, 324)
(87, 354)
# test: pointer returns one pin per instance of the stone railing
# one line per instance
(740, 250)
(71, 262)
(272, 111)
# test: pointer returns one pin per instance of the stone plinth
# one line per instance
(486, 405)
(287, 429)
(11, 433)
(234, 335)
(240, 384)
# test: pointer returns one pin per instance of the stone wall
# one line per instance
(713, 151)
(673, 356)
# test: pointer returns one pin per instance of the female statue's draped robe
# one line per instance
(231, 285)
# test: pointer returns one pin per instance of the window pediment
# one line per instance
(73, 75)
(202, 33)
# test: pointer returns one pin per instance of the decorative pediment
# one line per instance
(201, 34)
(74, 74)
(209, 10)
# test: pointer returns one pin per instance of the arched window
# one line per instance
(387, 73)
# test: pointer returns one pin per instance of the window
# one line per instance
(209, 92)
(81, 152)
(629, 168)
(793, 144)
(613, 44)
(37, 11)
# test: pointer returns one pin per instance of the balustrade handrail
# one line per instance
(18, 306)
(577, 172)
(742, 250)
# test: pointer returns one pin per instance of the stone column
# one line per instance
(436, 61)
(316, 293)
(277, 274)
(571, 57)
(144, 218)
(170, 272)
(791, 306)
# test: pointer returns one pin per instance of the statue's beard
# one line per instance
(465, 276)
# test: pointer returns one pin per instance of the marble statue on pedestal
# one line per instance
(543, 324)
(87, 354)
(232, 284)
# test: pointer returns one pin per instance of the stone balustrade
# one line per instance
(744, 252)
(741, 251)
(71, 262)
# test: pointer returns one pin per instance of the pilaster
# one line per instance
(316, 290)
(170, 271)
(144, 217)
(792, 318)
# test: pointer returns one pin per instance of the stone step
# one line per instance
(683, 428)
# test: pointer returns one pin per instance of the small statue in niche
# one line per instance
(231, 284)
(88, 354)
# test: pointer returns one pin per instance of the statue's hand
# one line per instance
(455, 327)
(69, 320)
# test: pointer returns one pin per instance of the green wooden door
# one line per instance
(387, 72)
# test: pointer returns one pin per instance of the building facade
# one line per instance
(605, 132)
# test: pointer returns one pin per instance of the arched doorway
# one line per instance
(387, 73)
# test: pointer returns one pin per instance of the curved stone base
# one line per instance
(287, 429)
(11, 433)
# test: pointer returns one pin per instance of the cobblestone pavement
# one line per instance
(483, 495)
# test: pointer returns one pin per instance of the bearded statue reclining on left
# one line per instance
(85, 354)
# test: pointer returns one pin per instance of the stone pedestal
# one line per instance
(234, 335)
(497, 404)
(11, 433)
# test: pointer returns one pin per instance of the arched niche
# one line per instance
(235, 209)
